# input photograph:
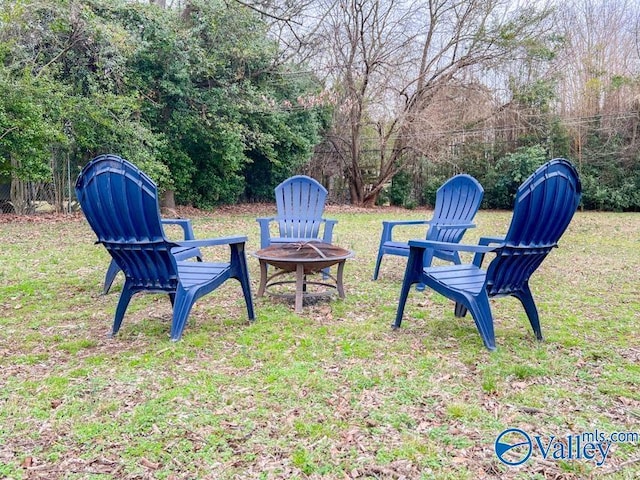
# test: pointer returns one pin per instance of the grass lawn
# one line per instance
(330, 393)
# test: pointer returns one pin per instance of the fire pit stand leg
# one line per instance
(339, 284)
(300, 286)
(263, 278)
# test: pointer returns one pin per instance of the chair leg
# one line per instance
(246, 291)
(123, 303)
(377, 269)
(526, 298)
(460, 310)
(183, 303)
(404, 293)
(481, 312)
(412, 274)
(240, 270)
(110, 276)
(326, 273)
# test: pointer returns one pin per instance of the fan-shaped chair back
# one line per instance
(457, 201)
(300, 202)
(120, 203)
(544, 206)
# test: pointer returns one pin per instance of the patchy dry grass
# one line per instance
(331, 393)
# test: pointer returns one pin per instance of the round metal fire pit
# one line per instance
(303, 258)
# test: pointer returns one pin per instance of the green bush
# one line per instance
(400, 189)
(599, 196)
(431, 187)
(502, 182)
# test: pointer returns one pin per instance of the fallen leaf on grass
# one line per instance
(149, 464)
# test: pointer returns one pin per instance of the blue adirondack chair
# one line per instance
(180, 253)
(545, 204)
(300, 205)
(457, 202)
(120, 203)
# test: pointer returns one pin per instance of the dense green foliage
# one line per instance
(610, 173)
(194, 97)
(400, 189)
(608, 183)
(501, 183)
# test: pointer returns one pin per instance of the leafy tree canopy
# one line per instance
(194, 97)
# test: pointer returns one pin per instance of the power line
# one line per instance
(567, 121)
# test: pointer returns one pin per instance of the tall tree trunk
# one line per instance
(168, 203)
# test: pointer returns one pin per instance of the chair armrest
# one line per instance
(265, 236)
(212, 242)
(478, 258)
(185, 223)
(490, 240)
(328, 230)
(500, 244)
(393, 223)
(452, 225)
(453, 247)
(388, 226)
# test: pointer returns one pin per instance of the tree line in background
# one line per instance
(198, 97)
(380, 99)
(491, 88)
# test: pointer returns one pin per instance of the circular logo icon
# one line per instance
(513, 447)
